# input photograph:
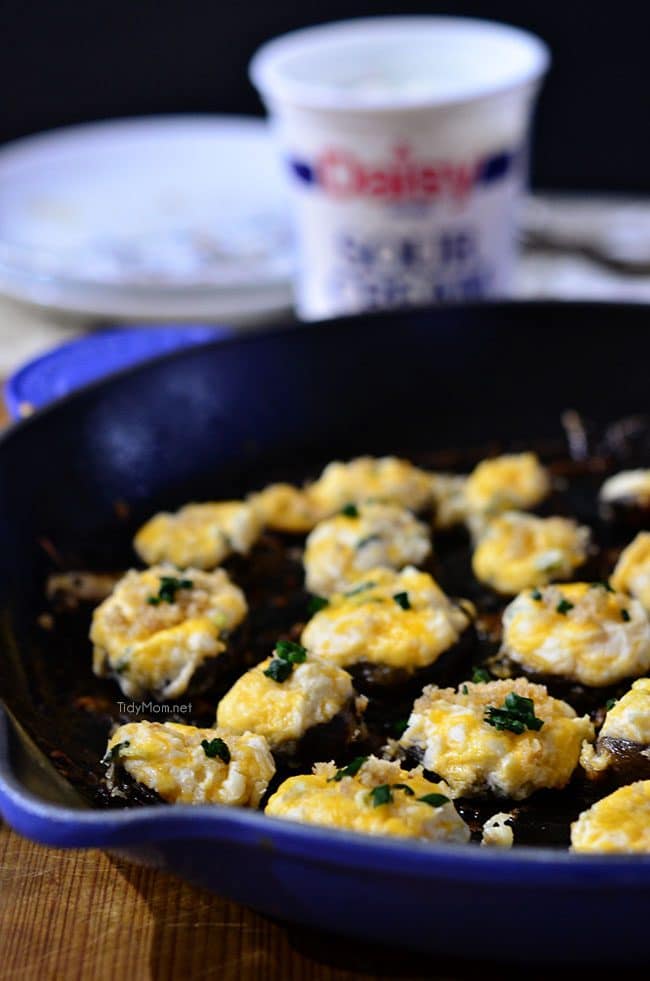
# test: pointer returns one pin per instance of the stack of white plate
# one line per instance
(167, 217)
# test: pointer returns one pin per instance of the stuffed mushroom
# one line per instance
(164, 632)
(362, 537)
(584, 633)
(154, 762)
(306, 709)
(390, 629)
(500, 738)
(622, 749)
(516, 551)
(199, 535)
(371, 796)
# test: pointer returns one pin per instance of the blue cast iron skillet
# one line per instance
(209, 421)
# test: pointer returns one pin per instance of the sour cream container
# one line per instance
(406, 142)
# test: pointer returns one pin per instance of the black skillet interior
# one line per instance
(223, 419)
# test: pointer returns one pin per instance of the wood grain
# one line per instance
(72, 914)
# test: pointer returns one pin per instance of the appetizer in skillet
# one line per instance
(579, 632)
(632, 572)
(390, 628)
(624, 499)
(516, 551)
(150, 762)
(305, 708)
(622, 750)
(619, 823)
(506, 738)
(163, 632)
(387, 479)
(372, 796)
(199, 535)
(362, 537)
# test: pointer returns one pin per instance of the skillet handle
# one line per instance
(89, 358)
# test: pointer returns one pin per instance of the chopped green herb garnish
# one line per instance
(367, 541)
(290, 651)
(465, 690)
(216, 748)
(603, 585)
(350, 511)
(402, 599)
(381, 795)
(287, 654)
(405, 787)
(537, 595)
(434, 800)
(564, 606)
(610, 703)
(625, 616)
(169, 586)
(480, 676)
(350, 770)
(516, 715)
(316, 604)
(278, 670)
(361, 588)
(400, 726)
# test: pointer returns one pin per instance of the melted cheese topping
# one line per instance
(156, 649)
(313, 694)
(342, 548)
(519, 550)
(387, 479)
(448, 492)
(632, 572)
(628, 719)
(367, 624)
(169, 758)
(602, 638)
(199, 535)
(284, 507)
(617, 823)
(449, 729)
(318, 799)
(628, 485)
(514, 481)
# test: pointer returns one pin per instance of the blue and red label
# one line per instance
(402, 177)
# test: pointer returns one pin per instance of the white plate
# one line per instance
(161, 217)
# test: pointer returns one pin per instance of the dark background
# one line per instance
(65, 61)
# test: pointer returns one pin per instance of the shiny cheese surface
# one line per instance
(514, 481)
(169, 758)
(313, 694)
(199, 535)
(346, 804)
(447, 728)
(627, 719)
(578, 631)
(344, 547)
(388, 479)
(368, 625)
(619, 823)
(518, 550)
(156, 649)
(628, 485)
(632, 572)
